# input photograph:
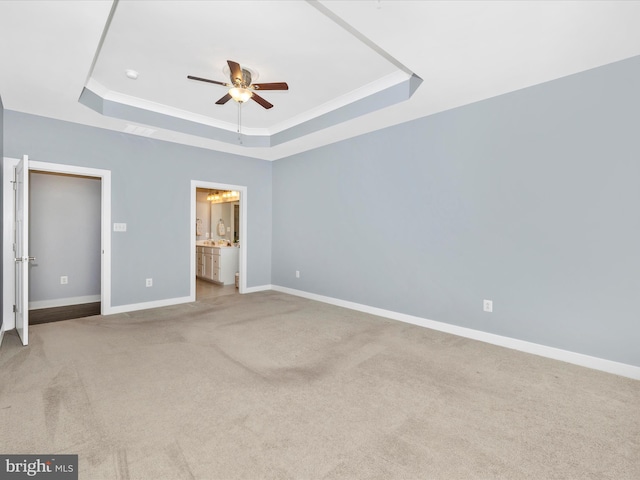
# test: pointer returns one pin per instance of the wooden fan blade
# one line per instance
(236, 71)
(261, 101)
(224, 99)
(191, 77)
(271, 86)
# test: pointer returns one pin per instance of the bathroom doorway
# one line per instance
(219, 247)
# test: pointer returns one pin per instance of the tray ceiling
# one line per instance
(352, 66)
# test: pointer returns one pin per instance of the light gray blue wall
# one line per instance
(1, 183)
(529, 199)
(64, 236)
(151, 192)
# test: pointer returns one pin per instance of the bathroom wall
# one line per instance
(216, 215)
(203, 212)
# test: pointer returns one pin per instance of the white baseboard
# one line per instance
(609, 366)
(259, 288)
(63, 302)
(147, 305)
(1, 334)
(108, 310)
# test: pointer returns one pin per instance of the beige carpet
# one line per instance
(269, 385)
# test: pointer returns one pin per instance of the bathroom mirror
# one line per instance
(224, 212)
(209, 213)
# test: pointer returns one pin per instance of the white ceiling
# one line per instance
(348, 63)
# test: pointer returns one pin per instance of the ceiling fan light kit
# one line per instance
(240, 94)
(241, 89)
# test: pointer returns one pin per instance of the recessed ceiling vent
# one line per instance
(138, 130)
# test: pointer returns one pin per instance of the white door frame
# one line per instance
(21, 248)
(7, 239)
(242, 260)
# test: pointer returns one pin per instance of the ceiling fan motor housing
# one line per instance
(243, 82)
(242, 90)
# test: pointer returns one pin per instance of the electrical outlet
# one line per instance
(64, 280)
(487, 305)
(149, 282)
(297, 273)
(119, 227)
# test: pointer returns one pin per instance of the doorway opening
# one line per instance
(15, 311)
(64, 238)
(219, 246)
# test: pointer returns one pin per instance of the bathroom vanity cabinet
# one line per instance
(217, 264)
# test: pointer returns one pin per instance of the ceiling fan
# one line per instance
(241, 89)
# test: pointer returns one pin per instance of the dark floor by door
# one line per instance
(56, 314)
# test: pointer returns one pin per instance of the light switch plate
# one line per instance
(119, 227)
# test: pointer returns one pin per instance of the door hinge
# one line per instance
(14, 309)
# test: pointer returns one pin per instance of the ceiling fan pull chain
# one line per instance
(239, 122)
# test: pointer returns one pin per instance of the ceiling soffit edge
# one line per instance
(185, 122)
(386, 91)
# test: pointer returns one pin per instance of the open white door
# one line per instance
(21, 247)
